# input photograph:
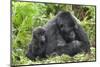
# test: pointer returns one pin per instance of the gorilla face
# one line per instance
(66, 24)
(65, 21)
(39, 34)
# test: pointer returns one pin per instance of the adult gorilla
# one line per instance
(64, 36)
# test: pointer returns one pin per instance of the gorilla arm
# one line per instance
(82, 37)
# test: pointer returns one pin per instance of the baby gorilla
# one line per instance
(38, 44)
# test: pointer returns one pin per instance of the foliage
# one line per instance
(26, 16)
(60, 59)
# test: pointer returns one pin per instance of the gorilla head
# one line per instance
(37, 45)
(66, 24)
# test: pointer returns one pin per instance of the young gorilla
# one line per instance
(38, 44)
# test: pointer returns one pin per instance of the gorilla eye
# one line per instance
(61, 25)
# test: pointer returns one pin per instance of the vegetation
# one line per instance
(27, 15)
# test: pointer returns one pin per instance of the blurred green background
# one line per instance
(28, 15)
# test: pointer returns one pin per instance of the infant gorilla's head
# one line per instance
(39, 34)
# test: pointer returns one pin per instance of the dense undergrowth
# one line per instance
(27, 15)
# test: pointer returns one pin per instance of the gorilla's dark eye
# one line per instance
(42, 32)
(61, 25)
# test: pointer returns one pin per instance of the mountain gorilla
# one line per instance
(63, 35)
(72, 33)
(38, 44)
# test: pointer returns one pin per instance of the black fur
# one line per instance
(37, 47)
